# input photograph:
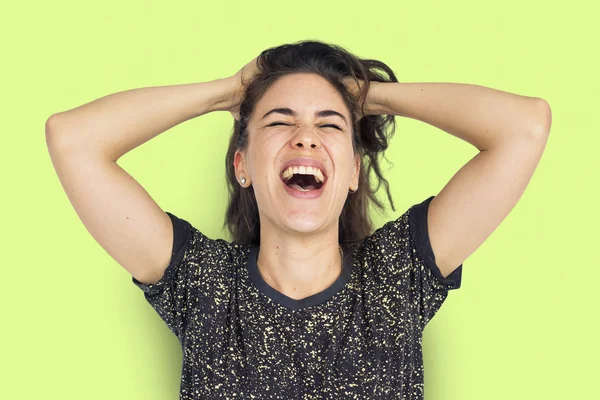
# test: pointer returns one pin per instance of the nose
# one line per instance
(306, 137)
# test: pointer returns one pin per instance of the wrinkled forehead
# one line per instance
(302, 96)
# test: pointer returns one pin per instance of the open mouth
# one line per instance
(303, 182)
(303, 179)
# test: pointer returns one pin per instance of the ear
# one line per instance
(239, 163)
(354, 184)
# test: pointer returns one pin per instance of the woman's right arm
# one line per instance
(84, 145)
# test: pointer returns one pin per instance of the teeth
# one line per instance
(304, 170)
(319, 177)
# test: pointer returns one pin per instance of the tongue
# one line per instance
(303, 183)
(300, 188)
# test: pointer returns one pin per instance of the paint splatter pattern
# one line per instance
(361, 338)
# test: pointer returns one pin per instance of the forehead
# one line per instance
(303, 92)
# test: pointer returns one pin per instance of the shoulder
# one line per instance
(198, 247)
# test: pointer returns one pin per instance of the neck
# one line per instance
(299, 266)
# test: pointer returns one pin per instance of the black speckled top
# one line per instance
(361, 338)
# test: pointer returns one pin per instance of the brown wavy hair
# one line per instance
(370, 134)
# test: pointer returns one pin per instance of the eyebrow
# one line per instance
(319, 113)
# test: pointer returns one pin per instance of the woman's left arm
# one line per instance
(510, 131)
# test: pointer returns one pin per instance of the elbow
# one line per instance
(542, 127)
(51, 128)
(54, 124)
(51, 124)
(56, 137)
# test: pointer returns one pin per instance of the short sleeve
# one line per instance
(407, 262)
(422, 246)
(432, 285)
(171, 296)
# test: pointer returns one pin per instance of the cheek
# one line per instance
(261, 162)
(339, 144)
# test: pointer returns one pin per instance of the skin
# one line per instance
(509, 130)
(299, 254)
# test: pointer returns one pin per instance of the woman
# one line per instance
(305, 301)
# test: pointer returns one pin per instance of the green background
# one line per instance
(524, 325)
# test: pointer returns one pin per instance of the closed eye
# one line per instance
(281, 123)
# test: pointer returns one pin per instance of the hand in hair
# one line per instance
(242, 78)
(355, 87)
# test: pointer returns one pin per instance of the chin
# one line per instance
(304, 223)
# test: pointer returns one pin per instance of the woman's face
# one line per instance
(279, 138)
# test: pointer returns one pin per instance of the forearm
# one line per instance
(482, 116)
(117, 123)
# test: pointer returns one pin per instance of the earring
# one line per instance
(243, 180)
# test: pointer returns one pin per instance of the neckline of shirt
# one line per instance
(313, 300)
